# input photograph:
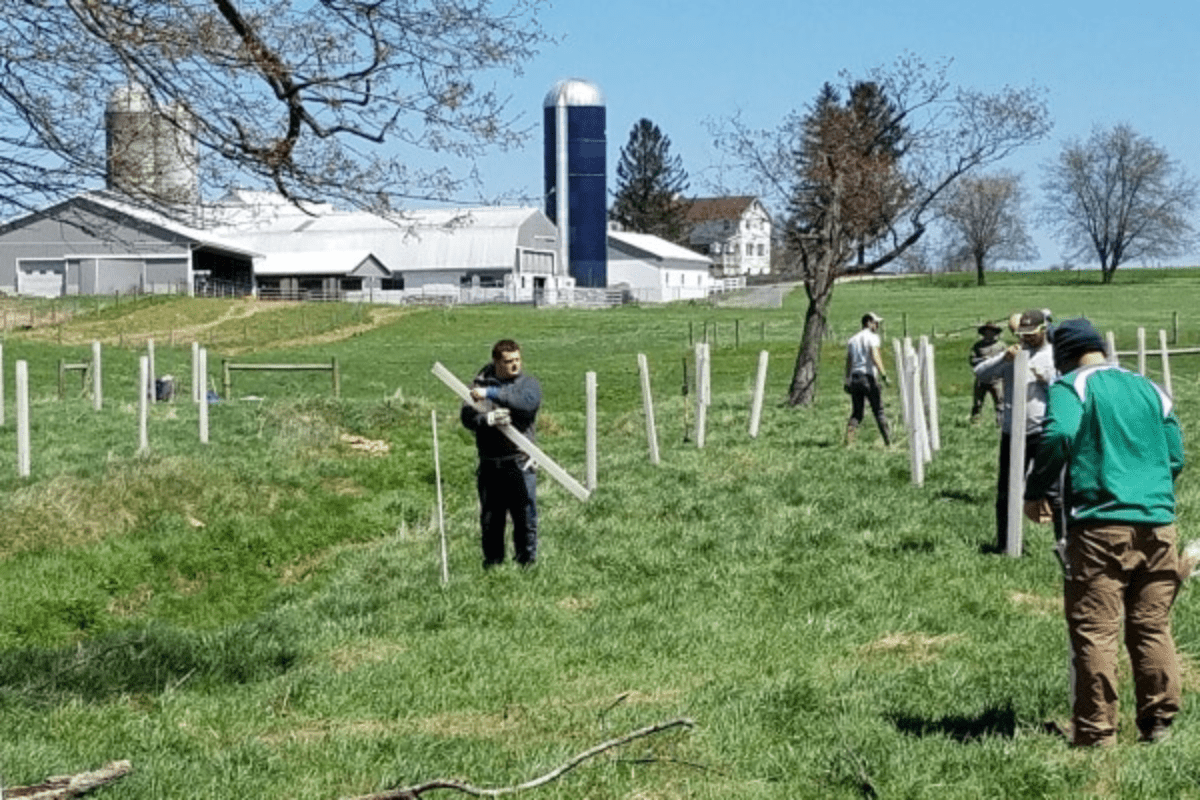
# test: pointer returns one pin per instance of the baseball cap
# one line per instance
(871, 316)
(1031, 321)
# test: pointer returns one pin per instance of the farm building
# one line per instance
(101, 243)
(507, 251)
(656, 270)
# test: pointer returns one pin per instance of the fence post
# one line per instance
(1111, 341)
(931, 400)
(701, 391)
(197, 389)
(203, 409)
(760, 386)
(2, 384)
(1141, 348)
(23, 457)
(589, 381)
(151, 373)
(97, 383)
(226, 380)
(1166, 364)
(1016, 454)
(648, 407)
(337, 378)
(143, 404)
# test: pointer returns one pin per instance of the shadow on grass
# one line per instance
(993, 721)
(147, 660)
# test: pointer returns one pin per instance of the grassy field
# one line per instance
(263, 617)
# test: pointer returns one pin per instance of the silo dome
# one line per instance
(574, 92)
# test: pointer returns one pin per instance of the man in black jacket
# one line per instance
(506, 479)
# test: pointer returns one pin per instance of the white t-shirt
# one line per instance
(860, 347)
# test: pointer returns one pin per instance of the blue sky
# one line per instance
(680, 63)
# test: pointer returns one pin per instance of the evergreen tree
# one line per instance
(650, 185)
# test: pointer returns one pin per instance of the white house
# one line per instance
(734, 231)
(656, 270)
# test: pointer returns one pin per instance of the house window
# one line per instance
(762, 249)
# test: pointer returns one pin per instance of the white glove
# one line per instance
(499, 416)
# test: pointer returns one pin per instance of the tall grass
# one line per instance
(263, 617)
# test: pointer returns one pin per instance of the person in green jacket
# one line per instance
(1117, 435)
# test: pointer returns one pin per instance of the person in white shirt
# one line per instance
(864, 372)
(1032, 330)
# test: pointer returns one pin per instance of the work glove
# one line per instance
(499, 416)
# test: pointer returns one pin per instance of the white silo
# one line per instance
(151, 154)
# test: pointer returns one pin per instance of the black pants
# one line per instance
(505, 489)
(1054, 495)
(864, 389)
(982, 390)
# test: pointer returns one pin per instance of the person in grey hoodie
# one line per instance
(1032, 331)
(505, 479)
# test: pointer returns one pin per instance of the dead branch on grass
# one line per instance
(414, 792)
(61, 787)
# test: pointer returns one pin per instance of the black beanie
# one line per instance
(1073, 338)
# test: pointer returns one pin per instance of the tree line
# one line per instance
(299, 99)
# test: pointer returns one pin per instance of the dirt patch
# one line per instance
(916, 647)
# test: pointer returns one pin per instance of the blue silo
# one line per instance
(575, 158)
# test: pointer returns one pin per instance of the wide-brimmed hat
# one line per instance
(988, 326)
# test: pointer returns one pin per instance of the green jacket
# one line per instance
(1118, 437)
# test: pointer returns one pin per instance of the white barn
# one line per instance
(655, 270)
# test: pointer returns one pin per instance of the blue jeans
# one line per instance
(505, 489)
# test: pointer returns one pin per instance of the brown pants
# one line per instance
(1114, 569)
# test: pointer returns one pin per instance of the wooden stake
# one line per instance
(1111, 342)
(648, 408)
(760, 386)
(198, 388)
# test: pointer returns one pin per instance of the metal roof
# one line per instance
(574, 92)
(659, 248)
(142, 213)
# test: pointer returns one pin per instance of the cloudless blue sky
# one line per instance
(679, 63)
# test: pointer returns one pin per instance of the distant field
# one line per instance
(263, 617)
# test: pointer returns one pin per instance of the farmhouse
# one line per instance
(735, 231)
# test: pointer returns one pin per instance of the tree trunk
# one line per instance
(804, 377)
(979, 279)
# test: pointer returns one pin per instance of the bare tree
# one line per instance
(296, 97)
(1118, 196)
(861, 177)
(983, 215)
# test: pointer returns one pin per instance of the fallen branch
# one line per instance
(60, 787)
(414, 792)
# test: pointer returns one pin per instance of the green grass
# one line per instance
(263, 617)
